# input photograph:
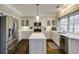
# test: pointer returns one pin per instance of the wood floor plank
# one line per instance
(22, 47)
(52, 48)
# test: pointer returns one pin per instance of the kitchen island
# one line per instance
(37, 43)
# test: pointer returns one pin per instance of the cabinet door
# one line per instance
(56, 38)
(37, 46)
(27, 22)
(73, 46)
(26, 34)
(47, 34)
(48, 23)
(22, 23)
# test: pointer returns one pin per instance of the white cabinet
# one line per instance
(71, 43)
(37, 43)
(37, 46)
(24, 35)
(73, 46)
(56, 37)
(48, 34)
(24, 22)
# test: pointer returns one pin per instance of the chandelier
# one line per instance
(37, 16)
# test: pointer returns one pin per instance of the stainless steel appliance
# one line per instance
(64, 43)
(37, 27)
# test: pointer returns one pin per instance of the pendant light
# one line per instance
(37, 17)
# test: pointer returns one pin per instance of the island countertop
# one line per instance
(37, 35)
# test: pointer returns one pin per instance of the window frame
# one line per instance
(68, 18)
(66, 25)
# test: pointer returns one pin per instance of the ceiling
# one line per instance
(30, 9)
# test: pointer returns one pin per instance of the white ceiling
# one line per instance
(30, 9)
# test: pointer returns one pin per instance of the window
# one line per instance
(76, 25)
(71, 24)
(63, 24)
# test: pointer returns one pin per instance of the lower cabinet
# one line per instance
(24, 35)
(56, 37)
(47, 34)
(69, 45)
(73, 46)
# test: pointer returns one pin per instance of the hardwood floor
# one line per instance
(23, 48)
(52, 48)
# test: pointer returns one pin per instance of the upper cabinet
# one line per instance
(24, 22)
(53, 22)
(48, 22)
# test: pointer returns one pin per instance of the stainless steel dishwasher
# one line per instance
(64, 43)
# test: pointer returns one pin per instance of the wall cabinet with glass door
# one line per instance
(24, 23)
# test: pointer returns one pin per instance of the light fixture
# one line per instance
(37, 16)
